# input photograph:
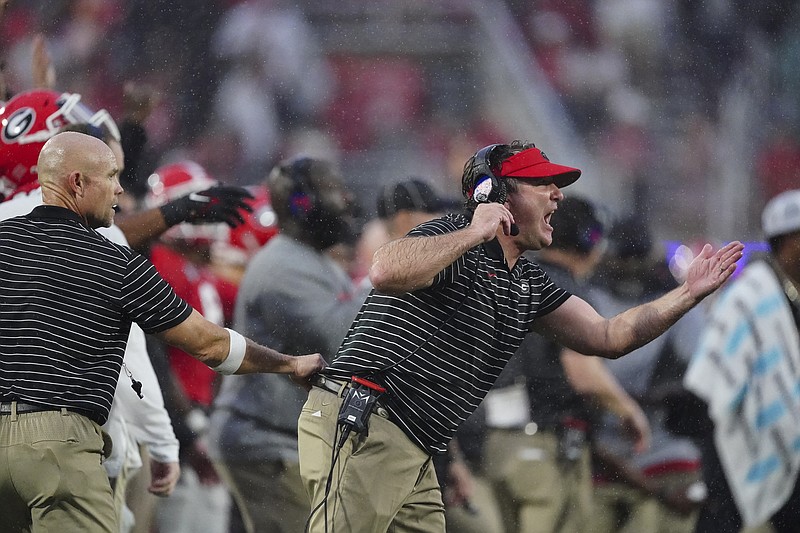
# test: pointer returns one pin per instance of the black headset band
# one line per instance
(483, 163)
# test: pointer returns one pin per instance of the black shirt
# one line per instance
(439, 350)
(68, 296)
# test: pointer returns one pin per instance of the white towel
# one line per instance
(747, 368)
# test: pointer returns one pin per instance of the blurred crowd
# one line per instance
(246, 93)
(670, 98)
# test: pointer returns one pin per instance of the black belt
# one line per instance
(331, 385)
(22, 408)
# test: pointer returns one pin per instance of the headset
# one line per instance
(322, 222)
(488, 187)
(303, 201)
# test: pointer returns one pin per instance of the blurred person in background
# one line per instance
(182, 255)
(297, 296)
(276, 78)
(658, 489)
(539, 413)
(746, 372)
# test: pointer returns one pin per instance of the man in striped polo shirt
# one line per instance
(452, 302)
(67, 299)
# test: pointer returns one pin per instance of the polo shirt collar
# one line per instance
(54, 211)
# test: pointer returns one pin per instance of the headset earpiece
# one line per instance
(488, 187)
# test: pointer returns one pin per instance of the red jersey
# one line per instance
(212, 297)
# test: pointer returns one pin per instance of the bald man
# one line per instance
(67, 299)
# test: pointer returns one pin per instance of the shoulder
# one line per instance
(440, 226)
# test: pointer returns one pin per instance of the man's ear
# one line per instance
(77, 183)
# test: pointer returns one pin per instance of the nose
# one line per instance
(555, 193)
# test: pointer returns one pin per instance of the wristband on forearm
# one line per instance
(238, 347)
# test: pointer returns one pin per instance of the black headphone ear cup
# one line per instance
(483, 174)
(502, 190)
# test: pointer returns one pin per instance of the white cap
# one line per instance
(782, 214)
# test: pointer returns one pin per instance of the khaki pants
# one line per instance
(51, 474)
(620, 508)
(536, 491)
(381, 481)
(270, 494)
(485, 518)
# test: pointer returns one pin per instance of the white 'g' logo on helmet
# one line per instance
(18, 124)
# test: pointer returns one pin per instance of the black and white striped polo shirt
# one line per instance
(439, 350)
(67, 299)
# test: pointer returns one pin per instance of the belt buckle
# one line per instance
(327, 384)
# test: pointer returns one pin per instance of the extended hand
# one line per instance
(708, 271)
(460, 486)
(220, 203)
(305, 367)
(635, 424)
(44, 74)
(163, 477)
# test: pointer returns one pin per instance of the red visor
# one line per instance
(533, 164)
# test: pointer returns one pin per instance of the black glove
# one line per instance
(220, 203)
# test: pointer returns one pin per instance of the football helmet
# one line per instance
(243, 241)
(27, 121)
(172, 181)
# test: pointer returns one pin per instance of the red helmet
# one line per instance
(170, 182)
(246, 239)
(27, 121)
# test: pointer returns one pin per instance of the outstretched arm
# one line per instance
(220, 203)
(590, 377)
(211, 344)
(575, 324)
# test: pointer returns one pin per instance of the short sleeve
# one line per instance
(552, 295)
(150, 301)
